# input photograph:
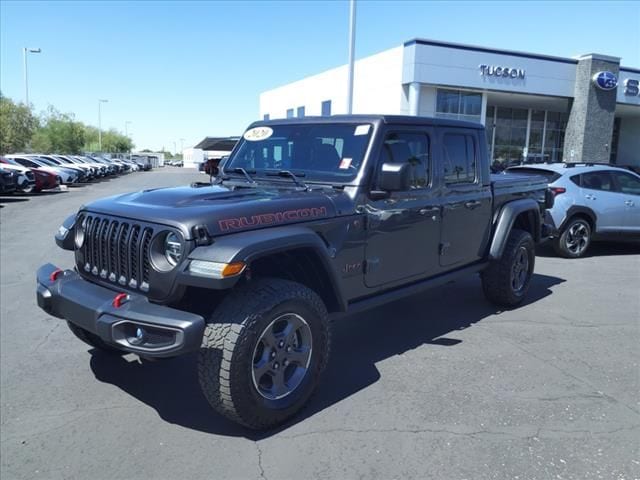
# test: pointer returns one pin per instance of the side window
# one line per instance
(628, 183)
(459, 159)
(412, 148)
(597, 181)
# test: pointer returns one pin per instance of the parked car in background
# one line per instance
(26, 177)
(211, 166)
(592, 202)
(8, 181)
(64, 175)
(143, 162)
(83, 173)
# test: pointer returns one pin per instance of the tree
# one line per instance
(17, 126)
(59, 134)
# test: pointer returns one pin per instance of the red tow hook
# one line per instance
(120, 299)
(55, 274)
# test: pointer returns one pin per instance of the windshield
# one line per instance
(322, 152)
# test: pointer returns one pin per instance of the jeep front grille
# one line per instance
(116, 251)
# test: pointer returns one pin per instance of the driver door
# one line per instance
(404, 229)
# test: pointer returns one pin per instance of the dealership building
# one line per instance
(536, 108)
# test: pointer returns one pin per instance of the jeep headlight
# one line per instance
(80, 233)
(172, 249)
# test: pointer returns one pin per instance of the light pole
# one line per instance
(26, 50)
(352, 47)
(100, 102)
(181, 145)
(126, 127)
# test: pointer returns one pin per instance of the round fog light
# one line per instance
(139, 338)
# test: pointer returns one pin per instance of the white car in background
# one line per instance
(65, 175)
(26, 178)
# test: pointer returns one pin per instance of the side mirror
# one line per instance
(395, 177)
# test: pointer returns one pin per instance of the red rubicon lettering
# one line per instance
(271, 218)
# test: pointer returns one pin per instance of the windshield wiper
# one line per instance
(291, 175)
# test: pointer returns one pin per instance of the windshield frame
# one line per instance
(306, 175)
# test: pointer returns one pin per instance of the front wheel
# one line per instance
(263, 351)
(506, 281)
(574, 239)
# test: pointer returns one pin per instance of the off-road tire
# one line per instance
(561, 243)
(497, 280)
(225, 359)
(92, 339)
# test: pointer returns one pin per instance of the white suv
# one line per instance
(592, 201)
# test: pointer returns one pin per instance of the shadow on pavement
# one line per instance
(359, 342)
(13, 199)
(596, 249)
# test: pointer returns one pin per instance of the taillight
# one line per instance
(557, 190)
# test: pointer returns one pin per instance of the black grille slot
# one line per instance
(146, 242)
(117, 251)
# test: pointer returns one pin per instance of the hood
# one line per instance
(223, 210)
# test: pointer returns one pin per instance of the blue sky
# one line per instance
(190, 69)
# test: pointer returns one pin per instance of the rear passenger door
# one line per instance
(629, 187)
(599, 194)
(466, 214)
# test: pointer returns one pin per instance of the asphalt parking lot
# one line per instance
(442, 385)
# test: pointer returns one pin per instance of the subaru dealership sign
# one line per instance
(605, 80)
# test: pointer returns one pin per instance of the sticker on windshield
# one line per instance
(362, 130)
(258, 133)
(345, 163)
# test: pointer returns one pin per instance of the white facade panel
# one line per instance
(440, 65)
(377, 89)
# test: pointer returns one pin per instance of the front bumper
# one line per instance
(136, 326)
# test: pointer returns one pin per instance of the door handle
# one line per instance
(473, 204)
(629, 203)
(590, 197)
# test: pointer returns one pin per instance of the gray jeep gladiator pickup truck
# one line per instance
(307, 218)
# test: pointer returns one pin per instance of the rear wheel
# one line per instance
(263, 351)
(506, 281)
(574, 239)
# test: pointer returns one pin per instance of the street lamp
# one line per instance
(26, 50)
(181, 145)
(126, 127)
(352, 47)
(100, 102)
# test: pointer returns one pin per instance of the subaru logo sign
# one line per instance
(605, 80)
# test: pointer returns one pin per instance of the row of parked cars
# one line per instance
(27, 173)
(591, 202)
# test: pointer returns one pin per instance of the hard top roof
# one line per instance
(374, 119)
(570, 168)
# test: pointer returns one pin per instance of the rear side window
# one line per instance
(597, 181)
(628, 183)
(459, 159)
(409, 147)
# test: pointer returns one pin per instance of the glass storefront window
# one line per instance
(459, 105)
(509, 134)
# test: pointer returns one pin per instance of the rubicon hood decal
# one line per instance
(271, 218)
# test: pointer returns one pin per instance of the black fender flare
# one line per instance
(574, 210)
(506, 219)
(249, 246)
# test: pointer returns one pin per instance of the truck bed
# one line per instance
(512, 186)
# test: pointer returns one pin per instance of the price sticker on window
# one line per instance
(345, 163)
(362, 130)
